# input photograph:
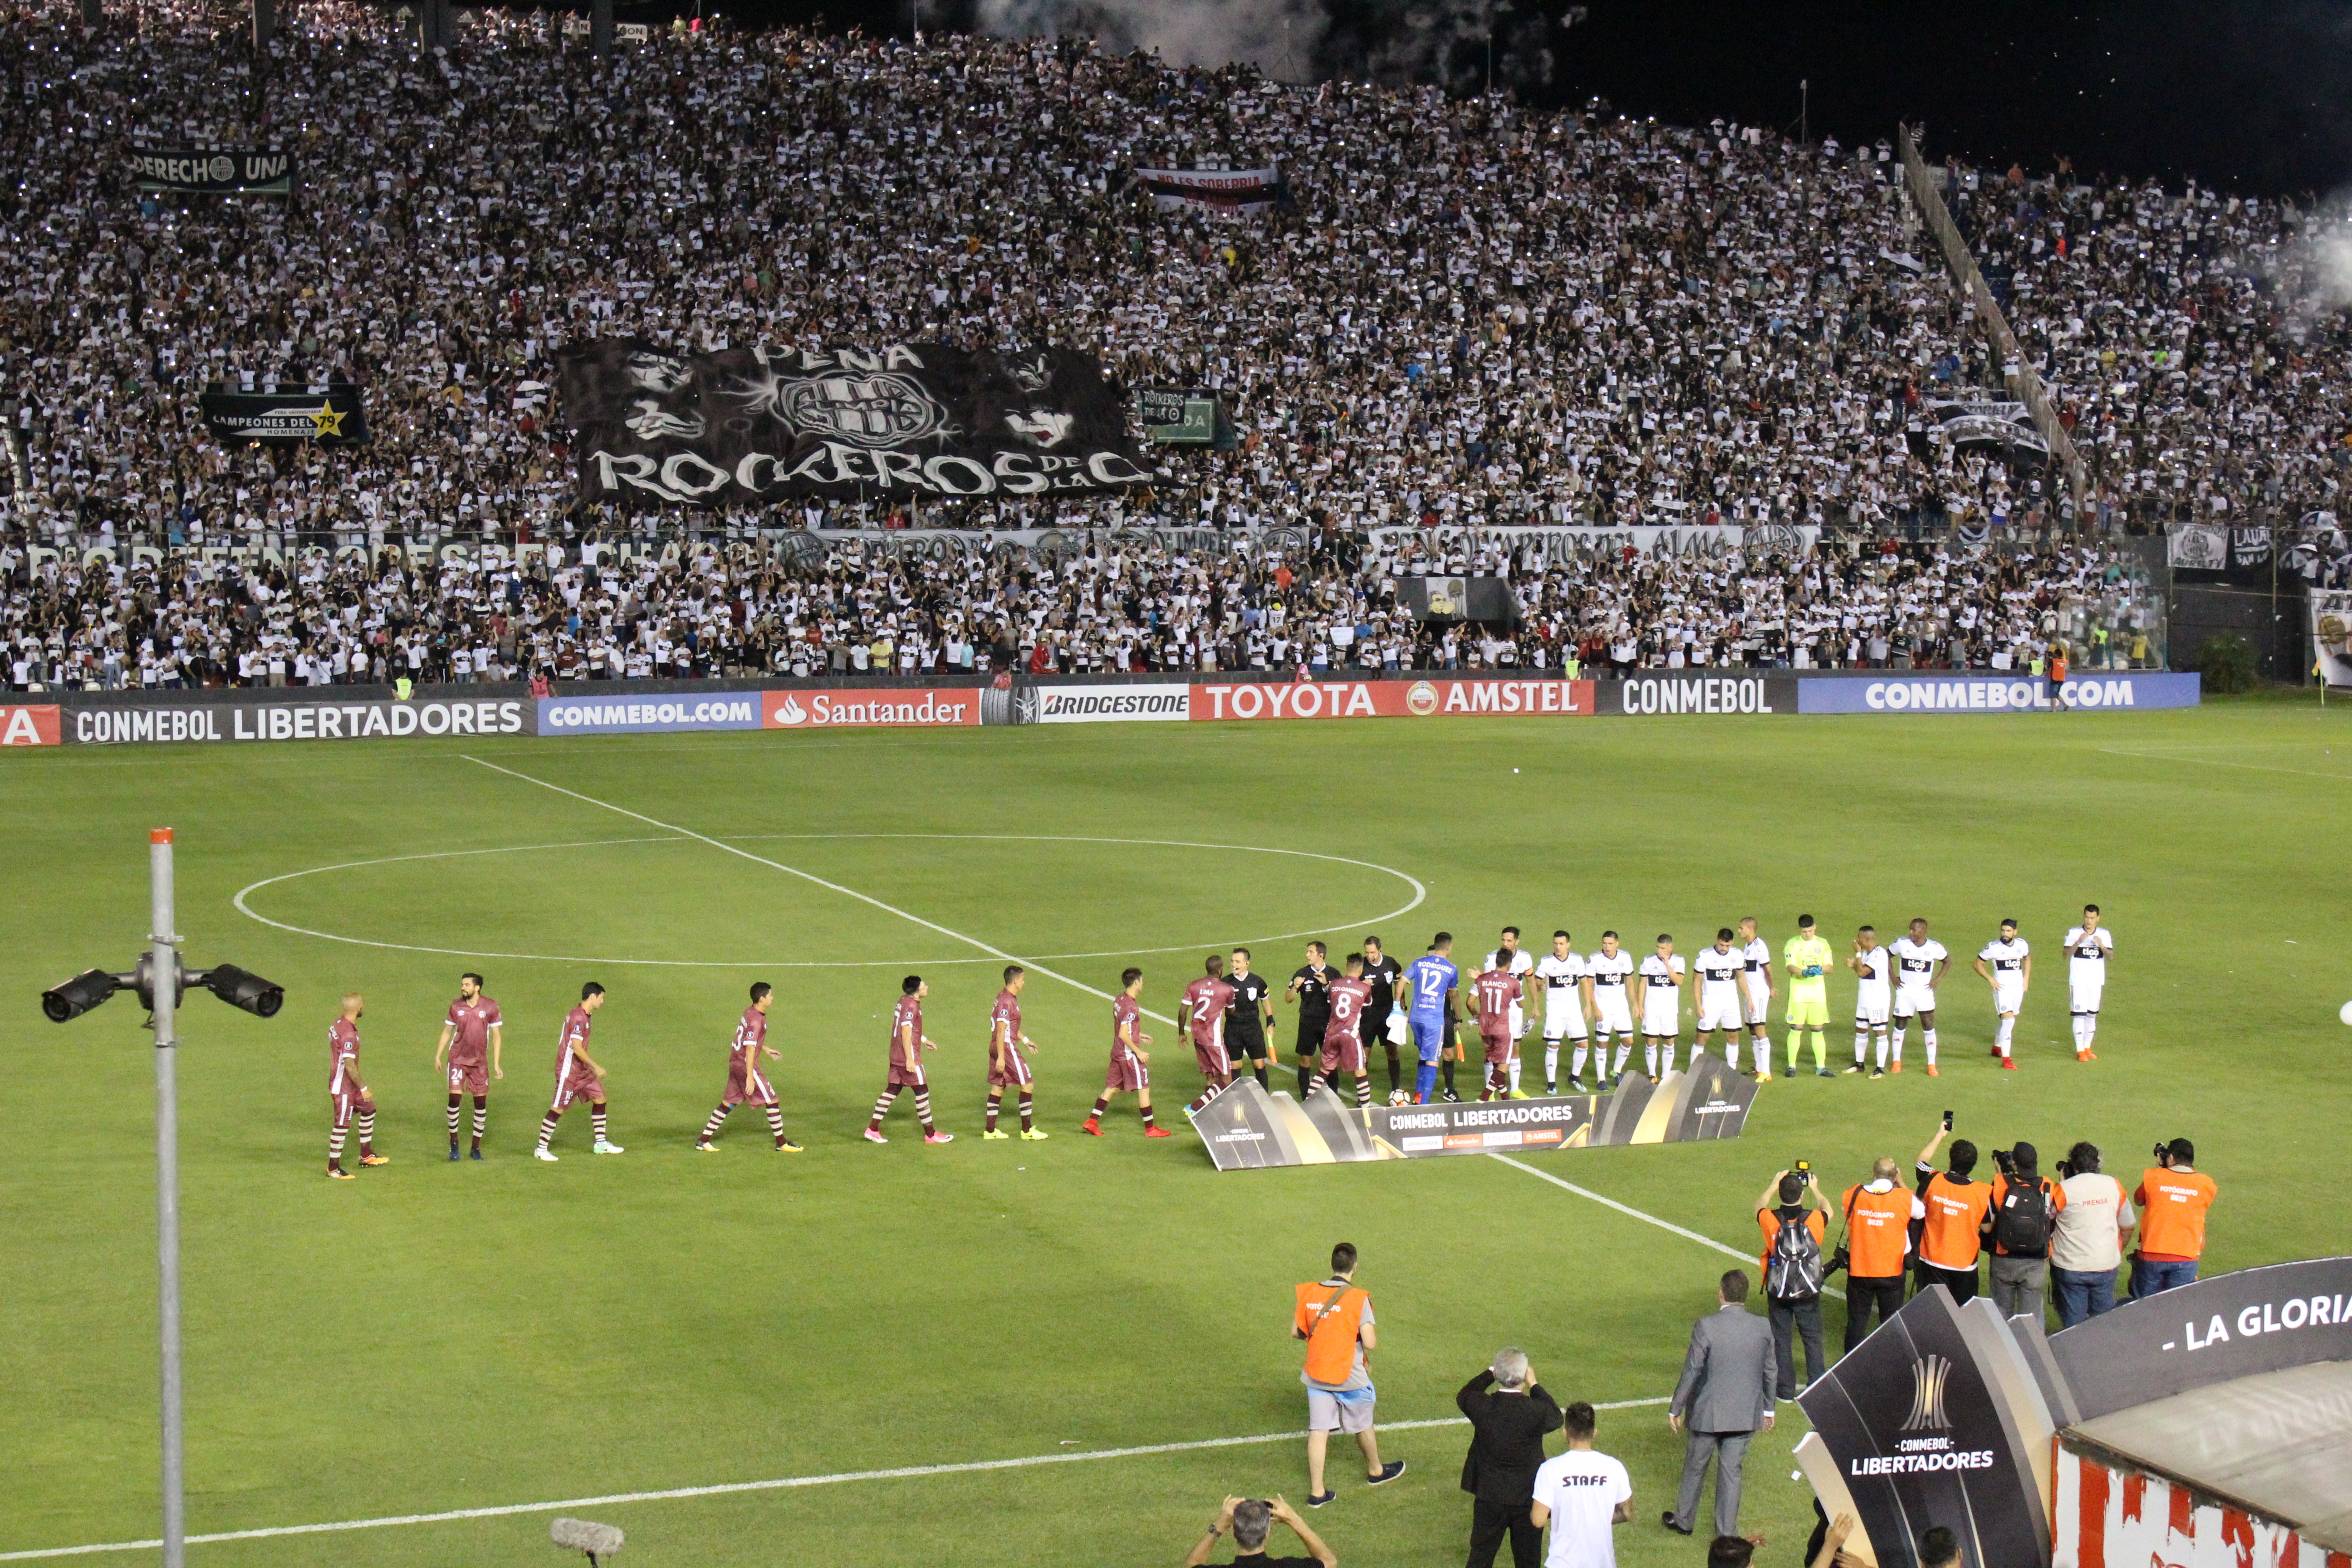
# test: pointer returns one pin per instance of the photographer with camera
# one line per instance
(1952, 1236)
(2172, 1198)
(1250, 1520)
(1794, 1268)
(2094, 1227)
(2024, 1216)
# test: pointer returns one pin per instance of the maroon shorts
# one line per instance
(906, 1077)
(1343, 1053)
(470, 1078)
(579, 1086)
(757, 1091)
(1126, 1071)
(1012, 1073)
(1498, 1045)
(1214, 1062)
(350, 1105)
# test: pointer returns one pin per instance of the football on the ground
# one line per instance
(1398, 1097)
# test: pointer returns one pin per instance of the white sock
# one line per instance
(1898, 1043)
(1551, 1061)
(1881, 1050)
(1515, 1074)
(1624, 1052)
(2002, 1033)
(1928, 1037)
(2090, 1029)
(1576, 1066)
(1650, 1057)
(1666, 1055)
(1861, 1046)
(1731, 1052)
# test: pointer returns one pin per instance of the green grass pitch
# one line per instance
(435, 1337)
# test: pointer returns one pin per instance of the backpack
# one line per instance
(2022, 1224)
(1794, 1271)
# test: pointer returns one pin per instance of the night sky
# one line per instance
(2249, 97)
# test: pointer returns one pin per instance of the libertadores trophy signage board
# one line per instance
(1247, 1128)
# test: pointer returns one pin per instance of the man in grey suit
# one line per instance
(1724, 1398)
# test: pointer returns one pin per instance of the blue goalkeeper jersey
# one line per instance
(1431, 978)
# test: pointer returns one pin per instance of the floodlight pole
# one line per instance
(164, 969)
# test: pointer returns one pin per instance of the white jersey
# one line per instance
(1523, 963)
(1582, 1489)
(1756, 969)
(1719, 991)
(1874, 981)
(1662, 995)
(2007, 962)
(1563, 1006)
(1613, 1009)
(2086, 956)
(1915, 962)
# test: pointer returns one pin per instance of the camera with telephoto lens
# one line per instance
(2005, 1162)
(2162, 1152)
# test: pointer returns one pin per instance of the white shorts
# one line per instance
(1913, 1000)
(1718, 1009)
(1564, 1019)
(1612, 1014)
(1662, 1017)
(1519, 1021)
(2007, 998)
(1759, 997)
(1870, 1007)
(2083, 998)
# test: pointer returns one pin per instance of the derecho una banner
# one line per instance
(260, 171)
(923, 419)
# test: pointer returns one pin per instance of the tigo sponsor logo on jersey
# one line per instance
(643, 714)
(1102, 704)
(30, 726)
(1392, 698)
(803, 709)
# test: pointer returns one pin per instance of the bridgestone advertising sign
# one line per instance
(1104, 704)
(1247, 1128)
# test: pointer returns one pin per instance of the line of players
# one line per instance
(1587, 1003)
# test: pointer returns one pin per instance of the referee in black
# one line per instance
(1248, 1015)
(1381, 972)
(1312, 986)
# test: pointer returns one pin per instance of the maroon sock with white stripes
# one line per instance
(882, 1107)
(718, 1120)
(995, 1104)
(923, 1110)
(776, 1123)
(1028, 1110)
(597, 1119)
(1102, 1103)
(1147, 1114)
(547, 1127)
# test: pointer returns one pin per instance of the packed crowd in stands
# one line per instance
(1470, 315)
(1331, 607)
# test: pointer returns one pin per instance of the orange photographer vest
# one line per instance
(1330, 1316)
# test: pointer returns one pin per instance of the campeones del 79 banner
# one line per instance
(924, 419)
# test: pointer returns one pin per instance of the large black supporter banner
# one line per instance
(261, 171)
(333, 417)
(924, 419)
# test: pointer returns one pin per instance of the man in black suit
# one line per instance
(1509, 1413)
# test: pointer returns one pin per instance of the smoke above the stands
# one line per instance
(1278, 36)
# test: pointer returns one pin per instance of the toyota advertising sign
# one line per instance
(1468, 696)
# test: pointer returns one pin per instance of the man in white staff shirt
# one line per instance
(1756, 990)
(1719, 968)
(1584, 1495)
(1919, 964)
(1522, 963)
(1561, 973)
(1659, 999)
(2006, 963)
(2088, 948)
(1872, 998)
(1605, 1001)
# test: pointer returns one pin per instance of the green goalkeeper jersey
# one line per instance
(1809, 958)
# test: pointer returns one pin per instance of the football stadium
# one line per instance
(1640, 812)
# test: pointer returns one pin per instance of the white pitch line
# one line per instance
(903, 1472)
(810, 876)
(1419, 894)
(1621, 1208)
(2217, 763)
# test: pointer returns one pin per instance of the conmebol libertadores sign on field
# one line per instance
(923, 419)
(297, 721)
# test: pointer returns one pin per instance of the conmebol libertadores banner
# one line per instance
(924, 419)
